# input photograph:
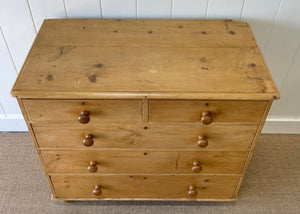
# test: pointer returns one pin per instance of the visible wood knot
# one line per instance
(231, 32)
(92, 78)
(49, 77)
(150, 31)
(251, 65)
(202, 59)
(180, 26)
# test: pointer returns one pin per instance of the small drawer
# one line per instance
(206, 111)
(145, 186)
(144, 161)
(82, 111)
(151, 136)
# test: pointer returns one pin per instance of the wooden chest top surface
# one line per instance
(157, 59)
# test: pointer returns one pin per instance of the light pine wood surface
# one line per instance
(181, 33)
(145, 186)
(255, 140)
(190, 111)
(130, 57)
(68, 111)
(169, 136)
(139, 162)
(120, 112)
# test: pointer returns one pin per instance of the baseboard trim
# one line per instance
(13, 123)
(282, 126)
(16, 123)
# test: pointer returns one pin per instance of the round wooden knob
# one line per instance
(206, 117)
(97, 191)
(192, 191)
(92, 167)
(84, 117)
(88, 140)
(202, 142)
(196, 167)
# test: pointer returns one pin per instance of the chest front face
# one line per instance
(145, 109)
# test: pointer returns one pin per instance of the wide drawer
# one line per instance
(145, 186)
(68, 111)
(194, 111)
(152, 136)
(144, 161)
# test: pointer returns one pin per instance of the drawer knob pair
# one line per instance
(97, 190)
(202, 141)
(84, 117)
(93, 167)
(88, 140)
(196, 167)
(206, 117)
(192, 191)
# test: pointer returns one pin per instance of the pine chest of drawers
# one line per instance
(145, 109)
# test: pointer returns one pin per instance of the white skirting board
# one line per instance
(16, 123)
(12, 123)
(282, 126)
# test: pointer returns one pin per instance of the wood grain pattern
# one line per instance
(145, 109)
(216, 187)
(68, 111)
(142, 95)
(262, 122)
(146, 161)
(146, 136)
(182, 33)
(144, 61)
(157, 69)
(190, 111)
(70, 199)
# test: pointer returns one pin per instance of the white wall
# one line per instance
(276, 25)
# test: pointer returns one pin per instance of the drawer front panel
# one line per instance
(191, 111)
(152, 136)
(68, 111)
(145, 186)
(144, 161)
